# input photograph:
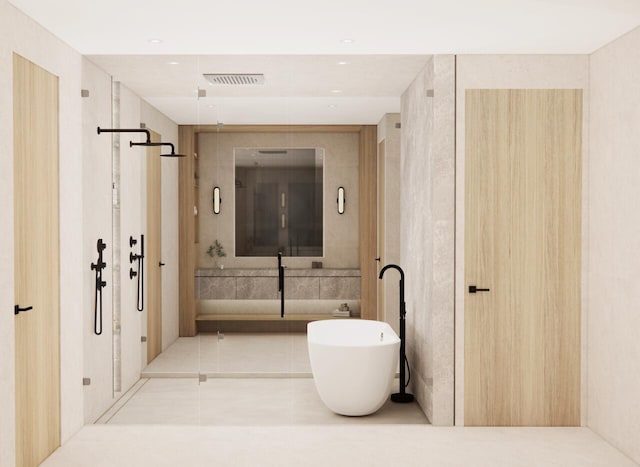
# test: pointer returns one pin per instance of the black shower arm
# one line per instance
(126, 130)
(173, 149)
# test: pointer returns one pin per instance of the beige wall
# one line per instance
(85, 215)
(215, 152)
(20, 34)
(388, 133)
(96, 185)
(613, 290)
(496, 72)
(97, 199)
(427, 223)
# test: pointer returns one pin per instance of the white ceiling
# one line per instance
(297, 89)
(304, 27)
(297, 44)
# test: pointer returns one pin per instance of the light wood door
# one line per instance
(522, 241)
(367, 223)
(154, 252)
(37, 261)
(381, 225)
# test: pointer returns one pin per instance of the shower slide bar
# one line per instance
(98, 266)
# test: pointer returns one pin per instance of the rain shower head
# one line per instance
(148, 143)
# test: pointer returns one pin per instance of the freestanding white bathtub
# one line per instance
(353, 362)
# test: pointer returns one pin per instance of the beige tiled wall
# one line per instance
(427, 232)
(613, 290)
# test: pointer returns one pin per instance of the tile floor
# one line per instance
(335, 446)
(237, 354)
(259, 379)
(259, 407)
(244, 401)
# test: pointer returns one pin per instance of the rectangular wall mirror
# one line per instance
(279, 201)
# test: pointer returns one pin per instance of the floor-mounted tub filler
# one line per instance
(353, 363)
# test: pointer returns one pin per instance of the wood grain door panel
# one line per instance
(523, 241)
(37, 261)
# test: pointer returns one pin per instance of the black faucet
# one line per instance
(401, 396)
(281, 283)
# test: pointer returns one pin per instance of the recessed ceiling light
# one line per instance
(173, 63)
(332, 106)
(343, 63)
(155, 41)
(210, 106)
(347, 41)
(336, 91)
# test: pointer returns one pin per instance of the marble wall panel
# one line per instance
(339, 288)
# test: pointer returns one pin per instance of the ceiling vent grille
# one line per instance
(235, 79)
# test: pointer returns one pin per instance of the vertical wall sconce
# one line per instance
(216, 200)
(341, 200)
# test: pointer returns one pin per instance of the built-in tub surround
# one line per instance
(216, 168)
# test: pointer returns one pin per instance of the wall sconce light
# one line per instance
(216, 200)
(341, 200)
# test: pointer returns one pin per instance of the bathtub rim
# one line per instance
(394, 340)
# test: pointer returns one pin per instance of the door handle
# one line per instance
(474, 289)
(17, 309)
(160, 264)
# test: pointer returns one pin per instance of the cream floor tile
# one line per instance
(250, 353)
(244, 401)
(335, 446)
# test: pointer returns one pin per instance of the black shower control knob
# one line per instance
(132, 273)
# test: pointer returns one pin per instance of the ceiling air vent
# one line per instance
(235, 79)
